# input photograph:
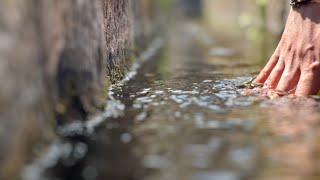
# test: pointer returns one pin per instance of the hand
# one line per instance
(295, 64)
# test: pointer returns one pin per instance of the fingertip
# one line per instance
(266, 71)
(275, 76)
(262, 77)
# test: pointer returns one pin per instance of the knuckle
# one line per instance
(275, 56)
(310, 47)
(312, 70)
(286, 76)
(315, 67)
(264, 72)
(289, 48)
(278, 70)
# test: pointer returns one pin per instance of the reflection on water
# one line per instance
(183, 116)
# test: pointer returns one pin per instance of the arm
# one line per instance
(295, 64)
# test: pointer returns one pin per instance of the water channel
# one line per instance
(184, 116)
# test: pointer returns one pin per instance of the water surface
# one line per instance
(183, 117)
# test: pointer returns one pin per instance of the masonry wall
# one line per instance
(57, 58)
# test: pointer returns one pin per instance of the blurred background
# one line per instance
(259, 22)
(66, 112)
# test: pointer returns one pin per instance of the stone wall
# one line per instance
(56, 61)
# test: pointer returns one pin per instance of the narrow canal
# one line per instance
(183, 116)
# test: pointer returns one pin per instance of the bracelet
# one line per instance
(295, 3)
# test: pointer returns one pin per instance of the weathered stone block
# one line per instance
(119, 36)
(81, 67)
(54, 60)
(25, 117)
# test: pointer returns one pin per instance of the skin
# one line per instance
(295, 64)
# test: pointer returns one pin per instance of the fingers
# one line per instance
(266, 71)
(302, 75)
(289, 79)
(309, 82)
(275, 75)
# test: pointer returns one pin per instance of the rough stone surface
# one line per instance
(81, 67)
(119, 36)
(55, 57)
(129, 28)
(25, 114)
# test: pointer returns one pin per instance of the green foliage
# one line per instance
(163, 4)
(261, 3)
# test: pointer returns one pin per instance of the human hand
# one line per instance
(295, 64)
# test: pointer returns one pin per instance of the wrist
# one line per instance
(312, 8)
(303, 18)
(305, 0)
(298, 3)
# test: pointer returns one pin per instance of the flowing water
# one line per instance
(183, 117)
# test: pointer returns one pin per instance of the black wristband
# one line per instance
(295, 3)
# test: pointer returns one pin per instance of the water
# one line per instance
(183, 116)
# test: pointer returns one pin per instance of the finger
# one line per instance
(266, 71)
(309, 82)
(275, 76)
(289, 79)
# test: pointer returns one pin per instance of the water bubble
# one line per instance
(207, 81)
(163, 102)
(177, 114)
(72, 129)
(155, 104)
(145, 91)
(80, 150)
(155, 162)
(216, 175)
(176, 99)
(126, 138)
(243, 157)
(221, 51)
(159, 92)
(137, 106)
(144, 99)
(142, 116)
(153, 96)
